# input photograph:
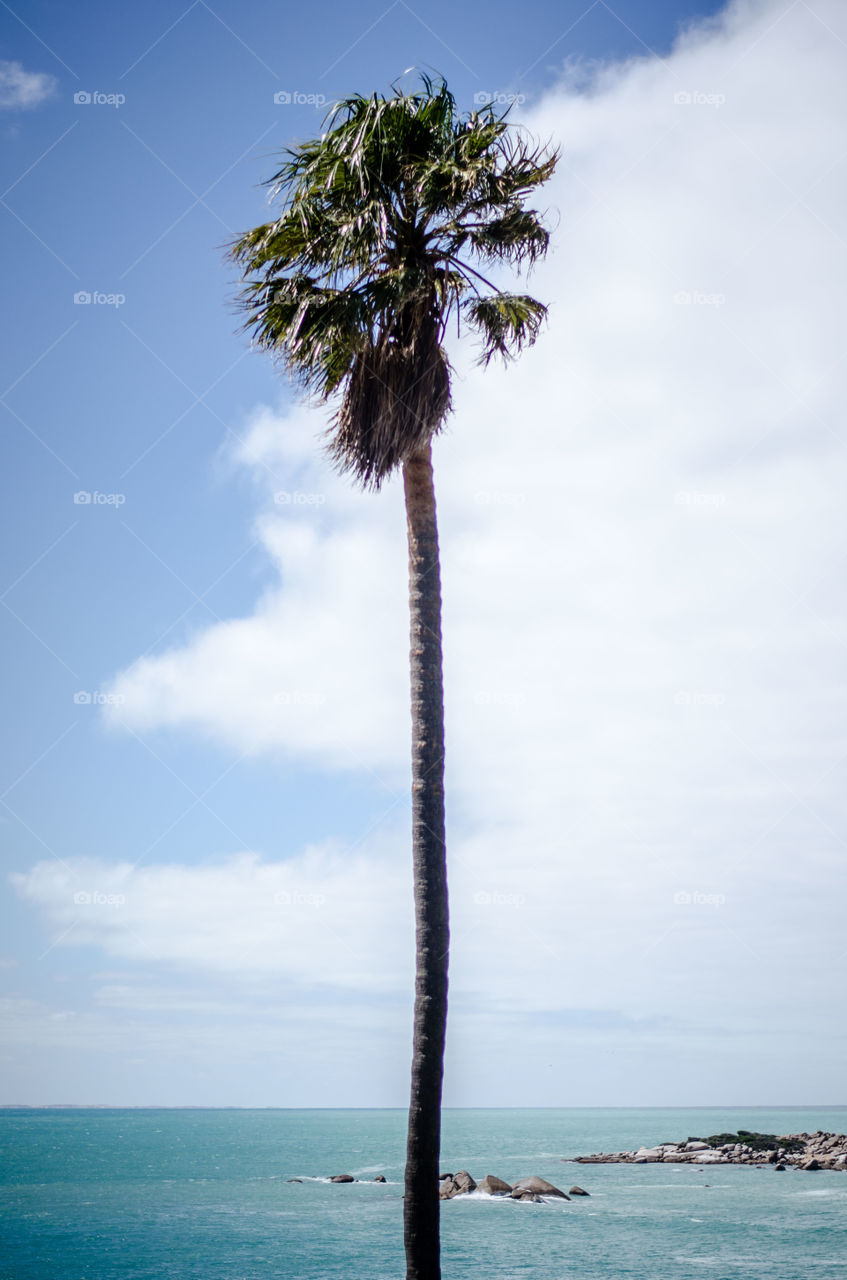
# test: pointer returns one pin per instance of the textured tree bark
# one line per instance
(421, 1205)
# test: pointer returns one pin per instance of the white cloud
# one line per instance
(299, 673)
(644, 618)
(20, 89)
(322, 918)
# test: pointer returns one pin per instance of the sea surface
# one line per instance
(203, 1195)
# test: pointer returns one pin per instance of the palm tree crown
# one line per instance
(355, 282)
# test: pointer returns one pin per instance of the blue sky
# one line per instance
(137, 399)
(685, 393)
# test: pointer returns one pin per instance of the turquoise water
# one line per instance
(202, 1195)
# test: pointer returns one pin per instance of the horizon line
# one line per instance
(188, 1106)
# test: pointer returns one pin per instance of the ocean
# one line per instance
(203, 1195)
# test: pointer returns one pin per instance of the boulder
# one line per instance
(447, 1189)
(463, 1182)
(343, 1177)
(494, 1186)
(779, 1168)
(442, 1176)
(697, 1145)
(578, 1191)
(526, 1195)
(379, 1178)
(293, 1179)
(539, 1187)
(810, 1165)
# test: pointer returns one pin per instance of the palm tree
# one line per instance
(353, 286)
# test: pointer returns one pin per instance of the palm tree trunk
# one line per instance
(421, 1205)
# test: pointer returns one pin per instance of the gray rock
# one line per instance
(447, 1189)
(578, 1191)
(463, 1182)
(494, 1186)
(343, 1177)
(379, 1178)
(539, 1186)
(293, 1179)
(526, 1195)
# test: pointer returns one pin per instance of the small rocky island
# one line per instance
(535, 1189)
(809, 1151)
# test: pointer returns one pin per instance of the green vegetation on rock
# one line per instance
(756, 1141)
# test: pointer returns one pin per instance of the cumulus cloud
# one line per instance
(320, 916)
(298, 675)
(644, 612)
(21, 89)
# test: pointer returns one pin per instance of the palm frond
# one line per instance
(518, 236)
(506, 322)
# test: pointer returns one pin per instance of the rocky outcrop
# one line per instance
(808, 1151)
(578, 1191)
(538, 1187)
(534, 1189)
(457, 1184)
(379, 1178)
(343, 1177)
(491, 1185)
